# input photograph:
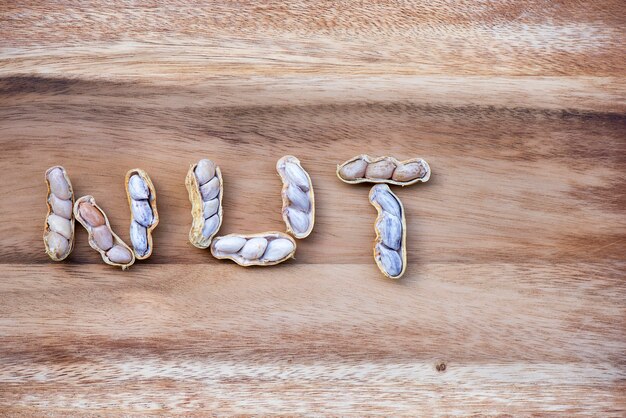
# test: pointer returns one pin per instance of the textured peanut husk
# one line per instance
(46, 228)
(395, 161)
(292, 159)
(153, 205)
(195, 233)
(246, 263)
(116, 239)
(378, 238)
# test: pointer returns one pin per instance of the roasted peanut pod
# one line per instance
(113, 250)
(58, 230)
(205, 186)
(366, 169)
(390, 242)
(298, 197)
(144, 216)
(264, 249)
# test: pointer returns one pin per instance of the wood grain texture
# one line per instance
(513, 300)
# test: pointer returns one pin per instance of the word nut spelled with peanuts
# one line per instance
(205, 187)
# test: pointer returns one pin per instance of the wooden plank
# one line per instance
(177, 39)
(509, 183)
(324, 338)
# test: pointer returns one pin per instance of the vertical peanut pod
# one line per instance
(58, 235)
(143, 211)
(113, 250)
(366, 169)
(298, 197)
(205, 186)
(264, 249)
(390, 242)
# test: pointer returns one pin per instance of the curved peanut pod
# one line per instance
(366, 169)
(390, 226)
(141, 189)
(113, 250)
(298, 197)
(264, 249)
(58, 230)
(205, 194)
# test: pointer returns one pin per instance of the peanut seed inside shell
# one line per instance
(58, 184)
(90, 214)
(380, 170)
(119, 255)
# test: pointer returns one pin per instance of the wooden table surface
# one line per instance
(514, 298)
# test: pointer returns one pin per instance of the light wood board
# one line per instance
(513, 301)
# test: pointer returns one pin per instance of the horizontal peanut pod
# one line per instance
(366, 169)
(144, 216)
(58, 235)
(113, 250)
(390, 227)
(298, 197)
(264, 249)
(205, 187)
